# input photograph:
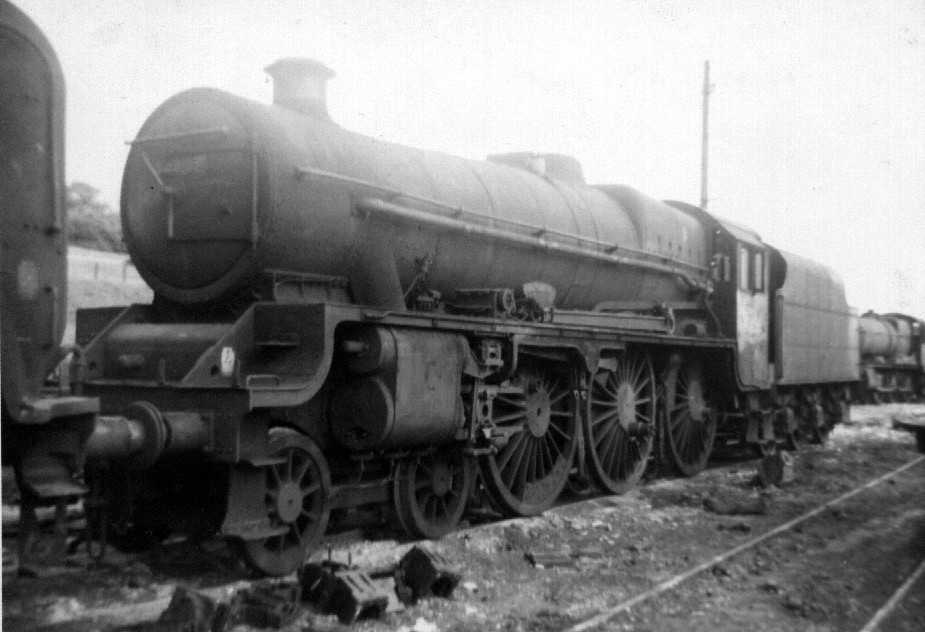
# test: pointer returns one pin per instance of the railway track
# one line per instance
(601, 593)
(601, 619)
(145, 610)
(895, 599)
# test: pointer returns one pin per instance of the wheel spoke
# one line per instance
(300, 474)
(554, 452)
(515, 403)
(520, 414)
(521, 451)
(523, 468)
(530, 465)
(511, 450)
(605, 432)
(274, 473)
(559, 431)
(610, 448)
(608, 415)
(558, 398)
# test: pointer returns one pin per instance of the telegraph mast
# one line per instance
(704, 140)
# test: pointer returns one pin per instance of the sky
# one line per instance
(817, 112)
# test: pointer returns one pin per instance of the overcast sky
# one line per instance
(817, 116)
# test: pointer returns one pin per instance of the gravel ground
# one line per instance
(830, 573)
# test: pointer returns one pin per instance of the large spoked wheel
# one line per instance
(431, 492)
(689, 425)
(296, 500)
(619, 426)
(528, 473)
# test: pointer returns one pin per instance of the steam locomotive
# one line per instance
(892, 354)
(340, 322)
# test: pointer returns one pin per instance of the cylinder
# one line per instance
(403, 390)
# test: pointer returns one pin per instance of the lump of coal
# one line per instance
(422, 573)
(188, 610)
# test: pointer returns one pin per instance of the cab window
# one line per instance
(743, 268)
(751, 270)
(758, 272)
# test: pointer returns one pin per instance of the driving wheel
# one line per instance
(619, 426)
(689, 425)
(539, 424)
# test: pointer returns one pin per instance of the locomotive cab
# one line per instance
(743, 279)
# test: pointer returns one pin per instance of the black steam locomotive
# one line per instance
(892, 353)
(340, 322)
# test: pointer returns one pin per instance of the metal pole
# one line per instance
(704, 154)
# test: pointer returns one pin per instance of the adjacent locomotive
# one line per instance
(892, 355)
(340, 321)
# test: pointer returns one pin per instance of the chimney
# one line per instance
(300, 84)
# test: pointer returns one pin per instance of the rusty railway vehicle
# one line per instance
(342, 323)
(892, 350)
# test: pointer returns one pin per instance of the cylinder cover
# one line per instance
(410, 399)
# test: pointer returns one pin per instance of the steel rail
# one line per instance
(668, 584)
(894, 600)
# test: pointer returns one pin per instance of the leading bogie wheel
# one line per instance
(619, 424)
(431, 491)
(526, 474)
(688, 420)
(297, 491)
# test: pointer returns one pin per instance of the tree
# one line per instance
(91, 223)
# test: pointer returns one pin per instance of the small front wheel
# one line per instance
(297, 491)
